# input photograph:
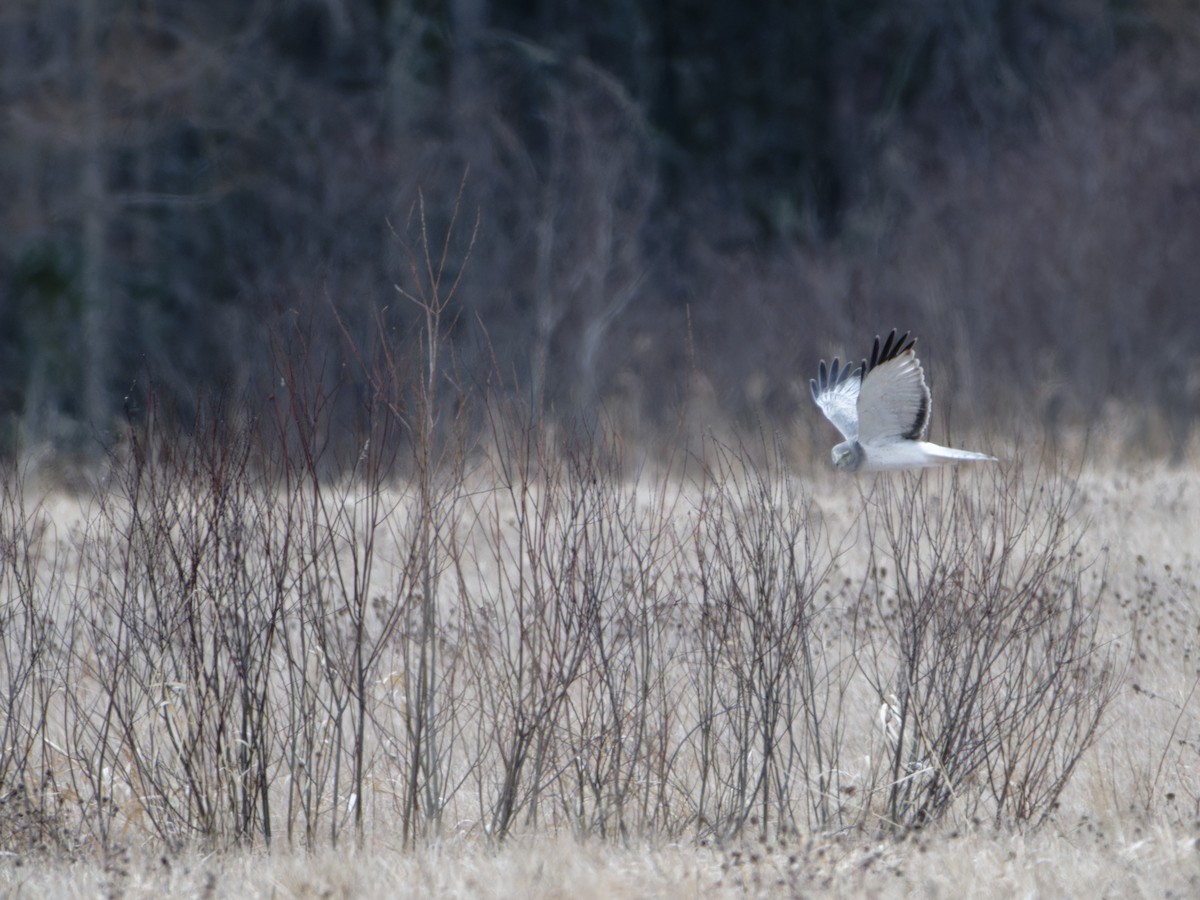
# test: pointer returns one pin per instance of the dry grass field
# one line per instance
(547, 673)
(1159, 863)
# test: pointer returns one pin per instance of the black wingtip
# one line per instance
(832, 374)
(887, 345)
(889, 349)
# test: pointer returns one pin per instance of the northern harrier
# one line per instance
(881, 407)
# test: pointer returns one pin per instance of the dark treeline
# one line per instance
(660, 202)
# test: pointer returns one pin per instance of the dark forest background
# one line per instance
(665, 206)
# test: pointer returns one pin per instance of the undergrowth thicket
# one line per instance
(482, 624)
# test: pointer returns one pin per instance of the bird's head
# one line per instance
(848, 456)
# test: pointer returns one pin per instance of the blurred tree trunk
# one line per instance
(547, 312)
(96, 306)
(467, 83)
(24, 157)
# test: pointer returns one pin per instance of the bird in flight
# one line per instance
(881, 407)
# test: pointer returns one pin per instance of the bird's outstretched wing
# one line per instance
(893, 399)
(835, 390)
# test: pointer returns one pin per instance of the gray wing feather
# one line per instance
(893, 401)
(835, 391)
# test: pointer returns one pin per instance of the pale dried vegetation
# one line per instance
(481, 656)
(552, 676)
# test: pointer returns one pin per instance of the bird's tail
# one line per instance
(951, 455)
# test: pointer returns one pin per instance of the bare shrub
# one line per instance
(540, 611)
(422, 400)
(573, 599)
(986, 643)
(31, 815)
(769, 684)
(174, 637)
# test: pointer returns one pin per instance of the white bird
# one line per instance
(891, 721)
(882, 408)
